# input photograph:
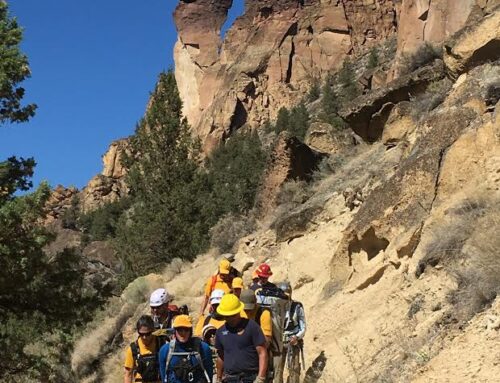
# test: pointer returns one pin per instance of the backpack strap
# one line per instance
(197, 355)
(171, 350)
(134, 346)
(258, 314)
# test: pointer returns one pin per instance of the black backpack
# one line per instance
(147, 365)
(183, 369)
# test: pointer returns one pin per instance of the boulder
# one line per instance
(368, 114)
(323, 138)
(474, 45)
(399, 124)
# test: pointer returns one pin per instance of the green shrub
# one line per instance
(373, 59)
(69, 218)
(314, 90)
(424, 55)
(234, 172)
(101, 224)
(295, 121)
(346, 78)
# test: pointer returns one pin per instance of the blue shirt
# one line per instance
(238, 347)
(168, 375)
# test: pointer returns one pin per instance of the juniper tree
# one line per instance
(166, 215)
(13, 70)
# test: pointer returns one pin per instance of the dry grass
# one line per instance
(229, 229)
(468, 247)
(479, 276)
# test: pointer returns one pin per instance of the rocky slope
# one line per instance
(272, 53)
(394, 249)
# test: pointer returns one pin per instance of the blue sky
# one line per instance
(93, 65)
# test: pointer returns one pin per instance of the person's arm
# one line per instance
(301, 317)
(163, 360)
(129, 374)
(220, 366)
(208, 286)
(262, 352)
(129, 366)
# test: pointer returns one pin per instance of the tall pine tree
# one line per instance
(166, 219)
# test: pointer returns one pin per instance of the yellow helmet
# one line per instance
(229, 305)
(182, 321)
(237, 283)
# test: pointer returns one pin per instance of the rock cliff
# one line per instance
(393, 248)
(276, 49)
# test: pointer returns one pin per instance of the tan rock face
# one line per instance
(398, 125)
(268, 57)
(422, 21)
(289, 160)
(112, 163)
(109, 186)
(474, 45)
(59, 201)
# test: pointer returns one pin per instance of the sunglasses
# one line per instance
(145, 334)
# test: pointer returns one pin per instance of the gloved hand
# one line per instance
(259, 379)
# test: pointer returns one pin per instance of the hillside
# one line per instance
(391, 243)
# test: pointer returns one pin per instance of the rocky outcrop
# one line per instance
(268, 57)
(324, 138)
(60, 200)
(290, 160)
(274, 51)
(424, 21)
(109, 186)
(402, 204)
(399, 124)
(368, 114)
(474, 45)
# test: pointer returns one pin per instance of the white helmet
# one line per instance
(159, 297)
(216, 296)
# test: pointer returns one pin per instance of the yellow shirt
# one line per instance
(219, 284)
(198, 331)
(143, 350)
(266, 323)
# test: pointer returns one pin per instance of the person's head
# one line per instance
(255, 276)
(264, 272)
(249, 300)
(183, 328)
(208, 334)
(145, 327)
(158, 301)
(237, 286)
(230, 308)
(286, 287)
(225, 270)
(215, 299)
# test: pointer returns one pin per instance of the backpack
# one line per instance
(277, 302)
(291, 323)
(147, 365)
(184, 370)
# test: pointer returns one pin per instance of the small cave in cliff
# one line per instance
(265, 12)
(370, 243)
(239, 118)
